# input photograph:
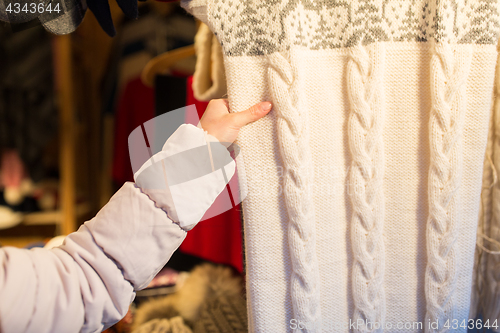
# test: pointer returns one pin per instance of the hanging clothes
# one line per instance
(364, 181)
(486, 288)
(132, 102)
(219, 238)
(135, 107)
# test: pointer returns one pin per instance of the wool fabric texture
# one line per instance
(209, 79)
(364, 181)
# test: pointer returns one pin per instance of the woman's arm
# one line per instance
(87, 284)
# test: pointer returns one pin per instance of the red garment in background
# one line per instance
(136, 105)
(12, 169)
(218, 239)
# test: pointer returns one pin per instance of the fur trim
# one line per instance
(206, 284)
(174, 325)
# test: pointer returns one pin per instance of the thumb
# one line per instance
(254, 113)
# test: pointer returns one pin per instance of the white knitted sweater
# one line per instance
(364, 181)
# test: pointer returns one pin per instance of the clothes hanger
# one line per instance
(160, 64)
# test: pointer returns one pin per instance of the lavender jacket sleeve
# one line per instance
(87, 284)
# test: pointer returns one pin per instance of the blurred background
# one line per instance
(67, 106)
(66, 109)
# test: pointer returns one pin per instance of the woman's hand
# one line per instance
(224, 126)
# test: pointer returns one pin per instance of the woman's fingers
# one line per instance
(254, 113)
(225, 126)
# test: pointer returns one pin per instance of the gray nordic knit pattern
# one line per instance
(265, 27)
(364, 182)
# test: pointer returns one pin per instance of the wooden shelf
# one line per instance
(54, 217)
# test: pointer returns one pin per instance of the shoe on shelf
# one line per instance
(9, 218)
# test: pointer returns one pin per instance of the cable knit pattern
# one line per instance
(365, 87)
(293, 137)
(380, 169)
(449, 71)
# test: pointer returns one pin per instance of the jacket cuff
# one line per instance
(185, 178)
(130, 228)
